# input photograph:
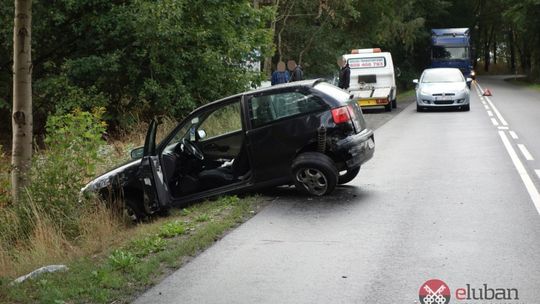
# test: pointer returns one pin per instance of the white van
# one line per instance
(372, 78)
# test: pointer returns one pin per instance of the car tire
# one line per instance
(466, 108)
(394, 103)
(134, 211)
(419, 108)
(348, 176)
(314, 173)
(388, 107)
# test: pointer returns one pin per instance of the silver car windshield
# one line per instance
(442, 75)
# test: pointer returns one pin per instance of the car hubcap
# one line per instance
(313, 180)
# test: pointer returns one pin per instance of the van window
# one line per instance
(267, 108)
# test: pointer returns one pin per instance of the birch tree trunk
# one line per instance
(22, 98)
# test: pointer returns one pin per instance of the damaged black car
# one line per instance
(308, 133)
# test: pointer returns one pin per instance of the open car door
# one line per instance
(156, 192)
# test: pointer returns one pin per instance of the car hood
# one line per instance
(442, 87)
(123, 172)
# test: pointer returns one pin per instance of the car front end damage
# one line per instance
(110, 186)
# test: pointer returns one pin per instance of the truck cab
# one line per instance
(451, 48)
(372, 79)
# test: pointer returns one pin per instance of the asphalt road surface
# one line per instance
(449, 195)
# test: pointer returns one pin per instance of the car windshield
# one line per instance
(441, 52)
(442, 75)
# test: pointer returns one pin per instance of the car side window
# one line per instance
(224, 120)
(267, 108)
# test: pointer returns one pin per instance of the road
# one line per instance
(442, 198)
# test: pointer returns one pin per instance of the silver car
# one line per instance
(442, 87)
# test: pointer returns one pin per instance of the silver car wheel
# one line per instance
(313, 180)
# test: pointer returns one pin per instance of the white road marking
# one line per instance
(501, 118)
(490, 113)
(514, 135)
(537, 172)
(525, 152)
(494, 122)
(527, 181)
(485, 106)
(503, 128)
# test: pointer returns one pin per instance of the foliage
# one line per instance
(73, 141)
(132, 267)
(148, 245)
(58, 173)
(138, 57)
(172, 229)
(5, 195)
(122, 260)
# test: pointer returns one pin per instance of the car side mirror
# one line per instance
(398, 72)
(415, 81)
(201, 133)
(469, 79)
(137, 153)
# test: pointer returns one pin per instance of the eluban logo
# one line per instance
(434, 291)
(486, 293)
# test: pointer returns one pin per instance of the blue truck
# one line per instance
(451, 48)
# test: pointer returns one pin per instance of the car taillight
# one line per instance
(341, 115)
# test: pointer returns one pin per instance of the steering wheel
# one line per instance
(192, 149)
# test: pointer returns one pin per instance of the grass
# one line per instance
(109, 260)
(524, 81)
(136, 258)
(405, 94)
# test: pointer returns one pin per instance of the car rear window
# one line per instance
(330, 90)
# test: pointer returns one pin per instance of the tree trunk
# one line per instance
(487, 43)
(22, 98)
(494, 51)
(512, 51)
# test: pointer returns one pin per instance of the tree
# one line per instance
(22, 97)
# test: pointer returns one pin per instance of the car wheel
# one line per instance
(419, 108)
(466, 108)
(133, 211)
(349, 175)
(388, 107)
(394, 103)
(314, 173)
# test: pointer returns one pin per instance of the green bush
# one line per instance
(58, 173)
(73, 141)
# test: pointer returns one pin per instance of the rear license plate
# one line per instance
(367, 102)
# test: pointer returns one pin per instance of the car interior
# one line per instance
(208, 153)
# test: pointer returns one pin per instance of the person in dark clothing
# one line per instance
(297, 73)
(344, 75)
(280, 75)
